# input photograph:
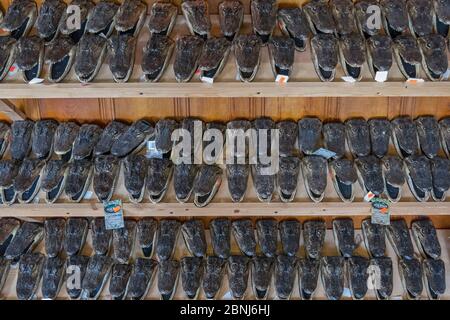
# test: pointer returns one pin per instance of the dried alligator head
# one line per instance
(308, 274)
(21, 133)
(90, 53)
(106, 172)
(394, 177)
(102, 18)
(194, 237)
(434, 276)
(344, 236)
(334, 138)
(168, 278)
(54, 236)
(110, 134)
(191, 269)
(287, 176)
(231, 15)
(25, 240)
(78, 179)
(156, 55)
(54, 179)
(65, 135)
(357, 275)
(261, 272)
(141, 278)
(264, 18)
(8, 229)
(101, 237)
(213, 276)
(284, 276)
(206, 184)
(408, 56)
(42, 138)
(50, 14)
(29, 275)
(238, 272)
(19, 18)
(59, 55)
(163, 135)
(135, 173)
(314, 237)
(247, 52)
(167, 238)
(428, 133)
(162, 18)
(344, 175)
(267, 235)
(121, 60)
(159, 173)
(118, 284)
(262, 139)
(66, 25)
(398, 235)
(263, 177)
(133, 139)
(364, 9)
(421, 17)
(30, 57)
(370, 174)
(425, 236)
(419, 176)
(442, 17)
(440, 172)
(358, 137)
(52, 277)
(97, 273)
(214, 56)
(86, 140)
(244, 234)
(237, 177)
(343, 14)
(187, 52)
(374, 238)
(75, 235)
(309, 134)
(444, 126)
(404, 136)
(197, 17)
(379, 54)
(395, 17)
(384, 265)
(352, 54)
(319, 17)
(220, 231)
(75, 264)
(290, 236)
(434, 56)
(293, 23)
(332, 276)
(183, 181)
(314, 172)
(324, 51)
(146, 235)
(131, 17)
(123, 241)
(411, 277)
(380, 133)
(282, 51)
(7, 54)
(28, 180)
(8, 172)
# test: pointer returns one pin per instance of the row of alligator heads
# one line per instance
(339, 28)
(31, 144)
(67, 237)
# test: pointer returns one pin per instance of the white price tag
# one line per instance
(152, 151)
(446, 75)
(414, 80)
(36, 81)
(325, 153)
(88, 195)
(207, 80)
(348, 79)
(381, 76)
(281, 78)
(369, 196)
(347, 293)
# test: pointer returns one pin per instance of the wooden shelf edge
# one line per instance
(223, 89)
(299, 209)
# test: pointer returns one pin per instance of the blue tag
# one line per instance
(327, 154)
(113, 214)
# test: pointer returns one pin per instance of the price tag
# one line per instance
(325, 153)
(88, 195)
(207, 80)
(347, 293)
(281, 79)
(152, 151)
(381, 76)
(113, 214)
(36, 81)
(348, 79)
(380, 211)
(13, 69)
(446, 75)
(369, 196)
(414, 80)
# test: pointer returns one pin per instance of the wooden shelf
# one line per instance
(303, 82)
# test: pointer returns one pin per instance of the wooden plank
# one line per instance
(10, 111)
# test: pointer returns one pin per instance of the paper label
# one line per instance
(369, 196)
(13, 69)
(36, 81)
(207, 80)
(446, 75)
(152, 152)
(414, 80)
(381, 76)
(347, 293)
(325, 153)
(380, 212)
(113, 214)
(280, 78)
(348, 79)
(88, 195)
